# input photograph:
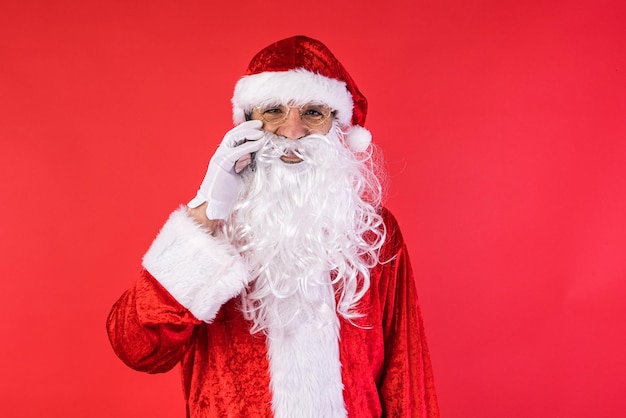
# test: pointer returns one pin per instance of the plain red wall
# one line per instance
(504, 126)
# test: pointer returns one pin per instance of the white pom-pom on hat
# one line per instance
(358, 138)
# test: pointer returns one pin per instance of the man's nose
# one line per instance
(292, 127)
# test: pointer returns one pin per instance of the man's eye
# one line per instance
(273, 111)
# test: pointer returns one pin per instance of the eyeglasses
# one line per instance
(311, 114)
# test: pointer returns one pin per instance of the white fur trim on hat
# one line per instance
(294, 86)
(200, 271)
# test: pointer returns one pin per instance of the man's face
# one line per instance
(297, 124)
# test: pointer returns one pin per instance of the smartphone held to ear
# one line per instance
(245, 161)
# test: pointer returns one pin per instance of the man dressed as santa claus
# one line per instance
(284, 288)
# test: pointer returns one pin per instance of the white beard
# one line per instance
(307, 231)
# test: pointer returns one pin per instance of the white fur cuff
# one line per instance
(200, 271)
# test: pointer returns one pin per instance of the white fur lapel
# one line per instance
(305, 367)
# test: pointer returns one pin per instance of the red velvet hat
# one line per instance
(299, 70)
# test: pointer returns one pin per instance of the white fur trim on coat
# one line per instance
(200, 271)
(305, 367)
(294, 86)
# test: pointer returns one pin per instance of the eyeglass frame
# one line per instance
(331, 112)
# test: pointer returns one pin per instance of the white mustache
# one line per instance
(277, 145)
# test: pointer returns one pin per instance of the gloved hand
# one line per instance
(221, 183)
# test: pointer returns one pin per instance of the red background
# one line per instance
(503, 123)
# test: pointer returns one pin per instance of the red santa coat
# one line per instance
(174, 315)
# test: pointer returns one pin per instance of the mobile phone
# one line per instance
(252, 164)
(243, 163)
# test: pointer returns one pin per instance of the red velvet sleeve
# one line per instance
(407, 388)
(148, 329)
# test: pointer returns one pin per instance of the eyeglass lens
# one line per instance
(310, 113)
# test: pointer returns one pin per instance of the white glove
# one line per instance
(221, 183)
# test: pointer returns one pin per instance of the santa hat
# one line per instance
(300, 70)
